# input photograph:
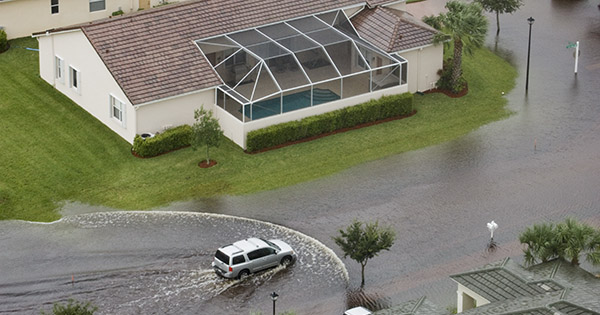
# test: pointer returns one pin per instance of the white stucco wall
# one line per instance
(479, 300)
(237, 131)
(21, 18)
(158, 116)
(423, 66)
(96, 84)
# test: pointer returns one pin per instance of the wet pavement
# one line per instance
(542, 163)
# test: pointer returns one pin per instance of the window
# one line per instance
(219, 254)
(74, 79)
(54, 6)
(97, 5)
(238, 259)
(117, 110)
(59, 71)
(256, 254)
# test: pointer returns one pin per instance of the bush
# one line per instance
(73, 307)
(373, 110)
(118, 12)
(3, 41)
(169, 140)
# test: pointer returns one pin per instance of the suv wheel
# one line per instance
(243, 274)
(286, 261)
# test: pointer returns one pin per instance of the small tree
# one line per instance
(363, 244)
(72, 307)
(206, 131)
(500, 6)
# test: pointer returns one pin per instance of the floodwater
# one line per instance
(542, 163)
(153, 263)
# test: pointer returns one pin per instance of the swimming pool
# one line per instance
(291, 102)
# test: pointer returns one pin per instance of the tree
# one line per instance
(500, 6)
(206, 131)
(541, 243)
(567, 240)
(466, 26)
(574, 238)
(73, 307)
(363, 244)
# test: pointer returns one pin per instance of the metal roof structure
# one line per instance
(297, 63)
(555, 287)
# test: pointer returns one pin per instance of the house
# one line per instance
(253, 63)
(556, 288)
(21, 18)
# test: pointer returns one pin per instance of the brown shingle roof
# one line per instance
(152, 55)
(392, 30)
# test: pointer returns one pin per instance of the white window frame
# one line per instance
(75, 79)
(119, 106)
(52, 6)
(96, 10)
(59, 69)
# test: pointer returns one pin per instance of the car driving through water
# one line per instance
(240, 259)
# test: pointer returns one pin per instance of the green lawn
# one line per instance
(52, 150)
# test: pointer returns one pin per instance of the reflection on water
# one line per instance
(154, 262)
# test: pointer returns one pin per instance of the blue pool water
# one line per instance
(290, 103)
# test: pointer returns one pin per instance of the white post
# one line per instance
(576, 56)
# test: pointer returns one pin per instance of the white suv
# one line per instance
(240, 259)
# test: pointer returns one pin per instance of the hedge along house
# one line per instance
(254, 63)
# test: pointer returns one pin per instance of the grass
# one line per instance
(53, 151)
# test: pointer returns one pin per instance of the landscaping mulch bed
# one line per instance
(332, 133)
(449, 93)
(203, 164)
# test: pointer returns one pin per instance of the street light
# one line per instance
(274, 297)
(530, 20)
(492, 226)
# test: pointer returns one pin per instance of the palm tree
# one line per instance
(575, 238)
(566, 240)
(541, 243)
(466, 26)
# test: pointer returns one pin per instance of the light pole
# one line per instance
(274, 297)
(492, 226)
(530, 20)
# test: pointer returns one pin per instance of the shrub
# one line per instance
(3, 41)
(169, 140)
(118, 12)
(73, 307)
(373, 110)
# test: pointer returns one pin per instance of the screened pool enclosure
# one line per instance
(296, 64)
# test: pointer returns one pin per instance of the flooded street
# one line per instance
(542, 163)
(153, 263)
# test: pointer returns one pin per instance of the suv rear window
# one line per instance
(222, 257)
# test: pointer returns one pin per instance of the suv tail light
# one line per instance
(230, 269)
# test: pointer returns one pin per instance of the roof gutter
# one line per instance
(51, 32)
(415, 48)
(392, 3)
(173, 97)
